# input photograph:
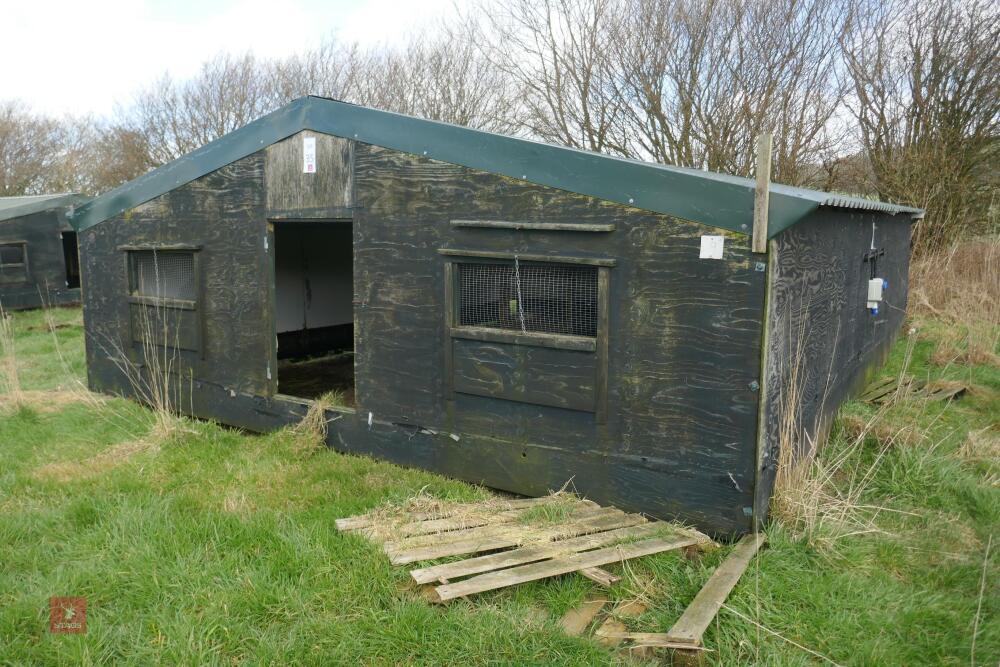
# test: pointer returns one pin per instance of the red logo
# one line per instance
(68, 615)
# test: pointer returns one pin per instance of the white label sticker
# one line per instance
(711, 247)
(308, 155)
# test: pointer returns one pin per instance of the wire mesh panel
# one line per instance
(547, 298)
(12, 265)
(162, 274)
(11, 254)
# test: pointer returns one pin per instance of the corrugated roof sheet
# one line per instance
(15, 207)
(714, 199)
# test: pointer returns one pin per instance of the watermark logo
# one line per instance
(68, 615)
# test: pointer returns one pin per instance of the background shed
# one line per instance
(39, 264)
(495, 309)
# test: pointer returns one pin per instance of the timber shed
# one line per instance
(491, 308)
(39, 264)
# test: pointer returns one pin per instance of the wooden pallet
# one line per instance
(527, 540)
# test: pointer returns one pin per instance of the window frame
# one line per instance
(166, 303)
(162, 302)
(24, 277)
(596, 344)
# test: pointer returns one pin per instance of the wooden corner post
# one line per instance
(760, 199)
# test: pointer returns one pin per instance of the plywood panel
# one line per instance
(293, 193)
(822, 341)
(539, 375)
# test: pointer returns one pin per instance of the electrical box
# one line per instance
(876, 286)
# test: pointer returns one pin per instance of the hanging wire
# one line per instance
(520, 298)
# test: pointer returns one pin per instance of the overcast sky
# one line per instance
(81, 56)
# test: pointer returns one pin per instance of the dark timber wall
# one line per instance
(45, 283)
(658, 415)
(821, 339)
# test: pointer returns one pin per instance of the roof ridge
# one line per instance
(710, 198)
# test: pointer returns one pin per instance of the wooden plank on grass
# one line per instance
(369, 520)
(691, 626)
(500, 539)
(536, 552)
(578, 618)
(471, 520)
(562, 565)
(418, 541)
(651, 639)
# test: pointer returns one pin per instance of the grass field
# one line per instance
(211, 546)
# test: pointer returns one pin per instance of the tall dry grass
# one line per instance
(820, 493)
(10, 380)
(154, 372)
(961, 287)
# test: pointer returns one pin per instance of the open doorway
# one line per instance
(314, 310)
(71, 260)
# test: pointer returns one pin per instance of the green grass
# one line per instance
(218, 547)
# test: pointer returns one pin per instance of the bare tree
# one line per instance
(926, 97)
(557, 54)
(174, 118)
(701, 79)
(30, 148)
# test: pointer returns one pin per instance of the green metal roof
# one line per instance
(718, 200)
(15, 207)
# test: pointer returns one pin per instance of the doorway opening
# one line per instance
(71, 260)
(314, 310)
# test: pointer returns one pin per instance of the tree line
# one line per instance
(896, 99)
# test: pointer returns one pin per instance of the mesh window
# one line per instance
(162, 274)
(11, 254)
(548, 298)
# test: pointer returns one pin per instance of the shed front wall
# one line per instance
(675, 435)
(822, 342)
(46, 280)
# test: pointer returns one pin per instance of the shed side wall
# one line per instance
(46, 284)
(683, 345)
(221, 214)
(822, 343)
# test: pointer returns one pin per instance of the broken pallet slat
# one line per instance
(534, 552)
(652, 639)
(578, 618)
(691, 626)
(513, 538)
(367, 520)
(611, 630)
(600, 576)
(561, 565)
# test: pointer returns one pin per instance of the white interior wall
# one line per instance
(314, 282)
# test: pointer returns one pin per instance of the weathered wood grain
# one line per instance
(536, 226)
(682, 349)
(529, 554)
(822, 341)
(223, 214)
(291, 193)
(561, 565)
(536, 375)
